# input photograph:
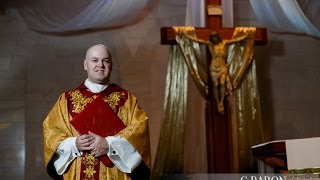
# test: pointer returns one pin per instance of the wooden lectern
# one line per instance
(271, 157)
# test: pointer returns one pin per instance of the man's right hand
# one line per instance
(83, 142)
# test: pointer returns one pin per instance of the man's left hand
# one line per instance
(100, 145)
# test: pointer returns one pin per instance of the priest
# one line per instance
(84, 139)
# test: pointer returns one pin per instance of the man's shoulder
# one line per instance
(71, 91)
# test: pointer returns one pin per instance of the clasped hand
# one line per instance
(92, 142)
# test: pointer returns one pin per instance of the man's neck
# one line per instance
(95, 87)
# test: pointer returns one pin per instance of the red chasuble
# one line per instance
(96, 112)
(98, 118)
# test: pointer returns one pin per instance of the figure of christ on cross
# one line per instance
(221, 146)
(218, 67)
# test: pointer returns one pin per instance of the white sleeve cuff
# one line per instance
(123, 154)
(65, 154)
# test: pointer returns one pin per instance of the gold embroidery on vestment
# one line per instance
(113, 99)
(79, 101)
(89, 162)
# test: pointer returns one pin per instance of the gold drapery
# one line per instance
(169, 158)
(246, 118)
(192, 57)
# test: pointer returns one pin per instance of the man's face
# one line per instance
(98, 64)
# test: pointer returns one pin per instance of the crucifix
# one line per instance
(218, 126)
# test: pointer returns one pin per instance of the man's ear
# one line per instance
(85, 66)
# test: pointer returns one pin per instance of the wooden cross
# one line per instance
(218, 127)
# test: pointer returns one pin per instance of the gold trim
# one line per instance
(315, 170)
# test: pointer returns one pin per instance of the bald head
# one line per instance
(97, 47)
